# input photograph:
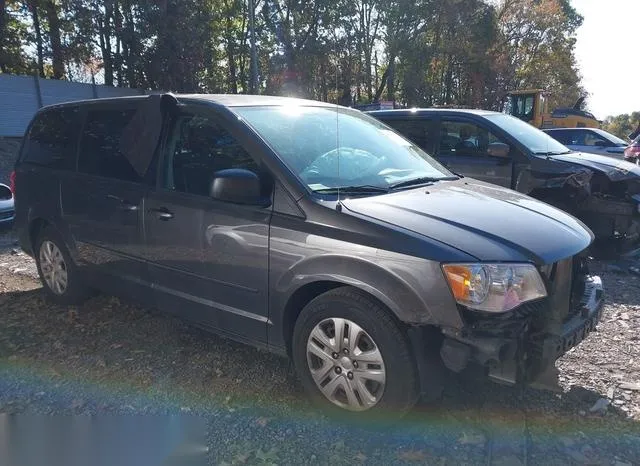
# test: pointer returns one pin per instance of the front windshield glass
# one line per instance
(328, 148)
(535, 140)
(611, 137)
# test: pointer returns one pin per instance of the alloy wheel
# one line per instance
(53, 266)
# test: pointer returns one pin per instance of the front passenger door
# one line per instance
(467, 148)
(208, 258)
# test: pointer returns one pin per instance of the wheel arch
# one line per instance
(299, 287)
(37, 224)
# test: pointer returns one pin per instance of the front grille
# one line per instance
(505, 325)
(6, 214)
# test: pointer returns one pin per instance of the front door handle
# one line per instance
(163, 213)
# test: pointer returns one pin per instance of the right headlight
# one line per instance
(494, 287)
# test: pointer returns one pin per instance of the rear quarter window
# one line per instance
(52, 139)
(100, 152)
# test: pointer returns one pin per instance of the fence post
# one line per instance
(94, 88)
(36, 81)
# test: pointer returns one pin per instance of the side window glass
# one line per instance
(417, 131)
(197, 149)
(576, 137)
(561, 136)
(592, 139)
(465, 139)
(52, 139)
(100, 152)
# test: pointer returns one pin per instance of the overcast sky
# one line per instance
(607, 39)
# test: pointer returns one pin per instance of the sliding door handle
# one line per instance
(124, 204)
(162, 213)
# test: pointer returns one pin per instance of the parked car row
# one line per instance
(494, 147)
(320, 233)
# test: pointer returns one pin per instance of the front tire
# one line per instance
(368, 370)
(58, 273)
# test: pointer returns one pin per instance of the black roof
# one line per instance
(226, 100)
(419, 111)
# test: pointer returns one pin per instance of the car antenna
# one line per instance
(339, 203)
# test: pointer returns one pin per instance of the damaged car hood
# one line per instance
(486, 221)
(614, 169)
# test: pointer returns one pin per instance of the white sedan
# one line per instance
(590, 140)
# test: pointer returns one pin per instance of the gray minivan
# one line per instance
(308, 229)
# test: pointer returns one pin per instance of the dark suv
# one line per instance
(602, 192)
(307, 229)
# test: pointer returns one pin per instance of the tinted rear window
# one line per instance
(561, 136)
(52, 139)
(100, 152)
(419, 131)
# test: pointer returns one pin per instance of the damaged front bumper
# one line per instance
(606, 198)
(522, 346)
(611, 217)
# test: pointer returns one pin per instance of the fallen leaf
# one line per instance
(241, 458)
(339, 445)
(412, 455)
(270, 455)
(360, 457)
(262, 421)
(77, 404)
(472, 439)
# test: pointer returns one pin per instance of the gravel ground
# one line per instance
(108, 356)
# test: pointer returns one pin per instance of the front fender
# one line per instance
(412, 288)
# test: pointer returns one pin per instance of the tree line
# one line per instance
(625, 126)
(414, 52)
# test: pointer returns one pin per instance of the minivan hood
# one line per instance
(486, 221)
(614, 168)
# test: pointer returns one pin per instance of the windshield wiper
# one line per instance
(552, 152)
(418, 181)
(362, 189)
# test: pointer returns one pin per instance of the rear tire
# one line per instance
(59, 275)
(369, 372)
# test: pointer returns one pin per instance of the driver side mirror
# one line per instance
(498, 149)
(236, 185)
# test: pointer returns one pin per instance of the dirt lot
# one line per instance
(108, 356)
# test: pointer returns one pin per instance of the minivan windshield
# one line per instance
(611, 137)
(336, 147)
(532, 138)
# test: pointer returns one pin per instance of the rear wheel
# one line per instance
(58, 273)
(353, 357)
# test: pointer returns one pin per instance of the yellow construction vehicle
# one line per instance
(531, 105)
